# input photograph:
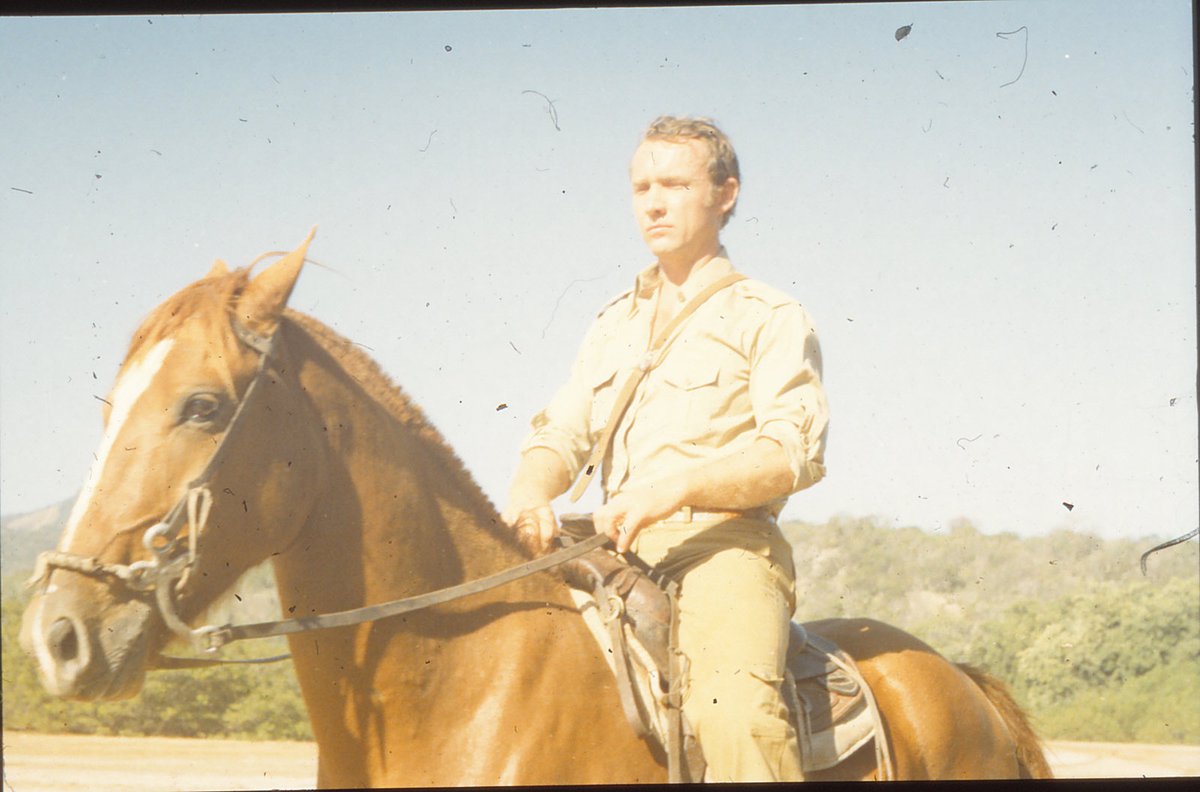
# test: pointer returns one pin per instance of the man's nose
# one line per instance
(655, 206)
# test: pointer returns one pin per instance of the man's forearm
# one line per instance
(743, 480)
(541, 477)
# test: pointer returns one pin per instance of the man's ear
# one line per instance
(727, 194)
(264, 299)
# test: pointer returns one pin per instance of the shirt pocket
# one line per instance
(693, 395)
(700, 374)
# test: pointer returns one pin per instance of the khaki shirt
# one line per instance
(746, 364)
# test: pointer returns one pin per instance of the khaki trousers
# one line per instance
(737, 594)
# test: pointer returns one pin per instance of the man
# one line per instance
(730, 422)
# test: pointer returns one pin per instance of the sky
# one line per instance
(992, 222)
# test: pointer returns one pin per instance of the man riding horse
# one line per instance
(249, 431)
(698, 394)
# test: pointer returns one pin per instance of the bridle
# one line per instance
(174, 556)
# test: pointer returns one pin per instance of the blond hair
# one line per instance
(722, 161)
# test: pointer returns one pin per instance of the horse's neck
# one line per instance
(392, 511)
(395, 517)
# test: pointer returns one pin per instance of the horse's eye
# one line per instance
(201, 408)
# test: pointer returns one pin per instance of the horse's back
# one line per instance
(940, 724)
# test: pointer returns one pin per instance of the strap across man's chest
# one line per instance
(653, 357)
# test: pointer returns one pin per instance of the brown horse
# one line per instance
(333, 474)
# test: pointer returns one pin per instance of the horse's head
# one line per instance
(207, 466)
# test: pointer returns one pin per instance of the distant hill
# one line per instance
(55, 514)
(23, 536)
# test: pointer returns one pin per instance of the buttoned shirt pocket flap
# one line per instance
(692, 375)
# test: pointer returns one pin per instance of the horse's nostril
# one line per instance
(63, 642)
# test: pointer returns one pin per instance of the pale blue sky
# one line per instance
(1002, 276)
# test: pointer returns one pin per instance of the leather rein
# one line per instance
(174, 556)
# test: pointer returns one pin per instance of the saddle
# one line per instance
(629, 608)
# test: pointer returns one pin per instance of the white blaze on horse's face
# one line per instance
(132, 383)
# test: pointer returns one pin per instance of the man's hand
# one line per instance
(742, 480)
(537, 522)
(541, 477)
(623, 517)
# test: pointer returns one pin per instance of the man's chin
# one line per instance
(661, 246)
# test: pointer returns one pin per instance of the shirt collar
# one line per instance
(648, 280)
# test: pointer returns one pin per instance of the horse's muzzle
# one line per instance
(85, 650)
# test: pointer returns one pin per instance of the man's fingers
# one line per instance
(620, 523)
(627, 531)
(540, 524)
(537, 523)
(612, 525)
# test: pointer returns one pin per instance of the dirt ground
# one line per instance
(64, 763)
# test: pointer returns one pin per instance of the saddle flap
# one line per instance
(645, 609)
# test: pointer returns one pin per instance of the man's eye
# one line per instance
(201, 409)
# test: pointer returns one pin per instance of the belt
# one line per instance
(688, 514)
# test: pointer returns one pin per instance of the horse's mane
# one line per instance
(380, 387)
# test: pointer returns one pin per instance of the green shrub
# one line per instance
(1119, 663)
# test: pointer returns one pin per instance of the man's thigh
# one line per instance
(737, 594)
(734, 611)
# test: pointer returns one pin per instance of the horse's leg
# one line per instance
(939, 723)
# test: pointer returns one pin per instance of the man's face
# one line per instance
(678, 208)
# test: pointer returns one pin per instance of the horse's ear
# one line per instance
(219, 268)
(263, 301)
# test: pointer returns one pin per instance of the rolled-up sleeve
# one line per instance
(564, 426)
(786, 394)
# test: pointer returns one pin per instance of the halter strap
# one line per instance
(168, 570)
